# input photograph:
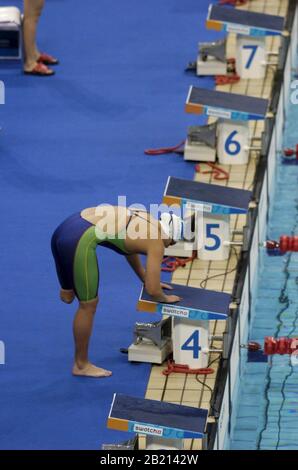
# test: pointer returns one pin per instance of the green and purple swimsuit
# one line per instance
(74, 245)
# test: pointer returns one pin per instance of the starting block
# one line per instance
(212, 58)
(152, 342)
(10, 33)
(127, 445)
(180, 250)
(164, 424)
(251, 29)
(200, 144)
(215, 204)
(234, 112)
(191, 318)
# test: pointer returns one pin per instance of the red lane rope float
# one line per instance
(164, 150)
(272, 245)
(171, 263)
(290, 152)
(185, 369)
(218, 173)
(285, 243)
(280, 346)
(288, 243)
(253, 346)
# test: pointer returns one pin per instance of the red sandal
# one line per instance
(40, 70)
(47, 59)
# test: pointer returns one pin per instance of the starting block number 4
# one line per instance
(216, 231)
(193, 344)
(189, 338)
(251, 57)
(233, 142)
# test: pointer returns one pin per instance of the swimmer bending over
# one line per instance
(128, 232)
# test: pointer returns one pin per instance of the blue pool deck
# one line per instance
(267, 409)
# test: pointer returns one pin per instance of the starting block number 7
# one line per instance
(253, 49)
(251, 57)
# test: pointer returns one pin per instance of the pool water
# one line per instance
(267, 409)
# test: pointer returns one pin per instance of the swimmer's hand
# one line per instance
(172, 299)
(165, 286)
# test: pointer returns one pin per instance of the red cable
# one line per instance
(218, 173)
(226, 79)
(185, 369)
(233, 2)
(171, 263)
(164, 150)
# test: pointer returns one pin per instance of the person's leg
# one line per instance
(82, 329)
(86, 281)
(32, 12)
(67, 295)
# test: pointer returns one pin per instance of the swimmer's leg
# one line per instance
(67, 295)
(86, 280)
(82, 329)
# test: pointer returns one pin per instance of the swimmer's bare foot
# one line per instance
(67, 296)
(89, 370)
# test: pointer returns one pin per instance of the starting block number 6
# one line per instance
(232, 146)
(233, 141)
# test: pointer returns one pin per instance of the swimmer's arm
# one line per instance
(135, 263)
(152, 278)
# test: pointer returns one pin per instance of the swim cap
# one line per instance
(172, 226)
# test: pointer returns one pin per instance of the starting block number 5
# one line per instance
(216, 230)
(211, 235)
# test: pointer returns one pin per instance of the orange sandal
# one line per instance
(47, 59)
(40, 70)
